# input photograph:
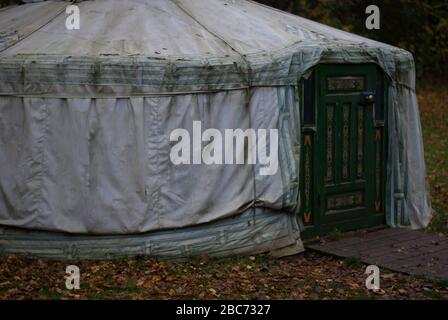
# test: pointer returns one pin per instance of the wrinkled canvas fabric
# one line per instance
(89, 165)
(85, 116)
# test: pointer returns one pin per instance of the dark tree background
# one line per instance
(420, 26)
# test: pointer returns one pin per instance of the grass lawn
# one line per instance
(310, 276)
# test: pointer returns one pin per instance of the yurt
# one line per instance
(173, 128)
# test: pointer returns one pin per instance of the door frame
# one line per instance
(310, 178)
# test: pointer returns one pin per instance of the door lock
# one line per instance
(367, 97)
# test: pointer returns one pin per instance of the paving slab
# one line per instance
(414, 252)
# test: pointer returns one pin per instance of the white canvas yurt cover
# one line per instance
(86, 116)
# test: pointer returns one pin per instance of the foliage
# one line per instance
(434, 114)
(308, 277)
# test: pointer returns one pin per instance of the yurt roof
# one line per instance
(241, 43)
(163, 28)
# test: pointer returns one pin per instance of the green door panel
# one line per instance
(343, 149)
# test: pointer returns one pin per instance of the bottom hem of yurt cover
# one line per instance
(257, 230)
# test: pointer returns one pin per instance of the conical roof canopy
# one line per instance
(136, 47)
(164, 28)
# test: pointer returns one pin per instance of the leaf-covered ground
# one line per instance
(309, 276)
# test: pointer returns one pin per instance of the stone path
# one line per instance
(413, 252)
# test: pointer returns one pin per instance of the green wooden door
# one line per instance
(344, 150)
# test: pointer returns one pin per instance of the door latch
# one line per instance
(366, 98)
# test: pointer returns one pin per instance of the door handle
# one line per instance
(367, 98)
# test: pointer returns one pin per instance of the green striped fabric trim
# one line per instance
(256, 230)
(39, 74)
